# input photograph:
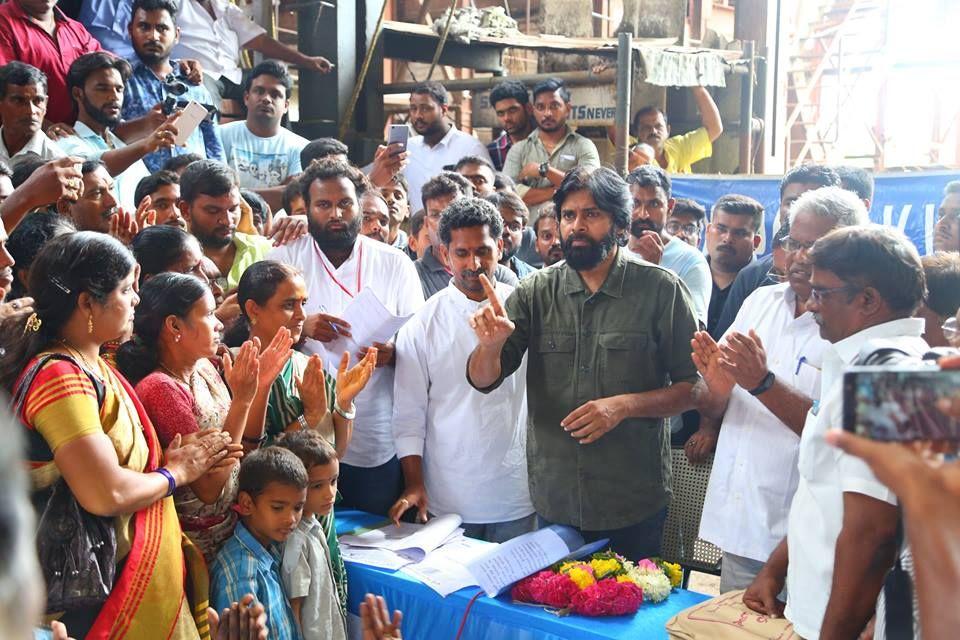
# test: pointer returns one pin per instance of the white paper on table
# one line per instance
(381, 558)
(444, 570)
(369, 321)
(516, 559)
(413, 541)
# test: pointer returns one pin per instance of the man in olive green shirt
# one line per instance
(607, 339)
(538, 163)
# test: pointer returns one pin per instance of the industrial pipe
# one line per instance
(624, 89)
(570, 78)
(746, 110)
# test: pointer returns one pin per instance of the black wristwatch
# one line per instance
(764, 385)
(544, 168)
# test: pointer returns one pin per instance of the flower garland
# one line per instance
(605, 584)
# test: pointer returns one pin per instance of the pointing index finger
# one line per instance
(492, 296)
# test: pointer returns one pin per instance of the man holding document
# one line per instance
(337, 264)
(607, 339)
(462, 451)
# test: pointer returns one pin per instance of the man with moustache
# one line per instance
(96, 82)
(437, 143)
(606, 338)
(337, 263)
(946, 232)
(375, 220)
(210, 203)
(794, 183)
(436, 419)
(676, 154)
(652, 204)
(514, 214)
(547, 231)
(538, 163)
(153, 34)
(23, 104)
(758, 385)
(163, 189)
(510, 100)
(733, 236)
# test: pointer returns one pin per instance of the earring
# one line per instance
(253, 321)
(176, 338)
(90, 323)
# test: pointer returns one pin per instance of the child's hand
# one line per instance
(244, 620)
(376, 621)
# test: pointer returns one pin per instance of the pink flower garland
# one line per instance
(608, 598)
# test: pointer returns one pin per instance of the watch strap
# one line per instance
(764, 385)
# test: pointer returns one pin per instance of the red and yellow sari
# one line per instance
(150, 595)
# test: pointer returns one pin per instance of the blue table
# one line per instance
(427, 616)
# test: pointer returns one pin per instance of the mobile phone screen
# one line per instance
(899, 404)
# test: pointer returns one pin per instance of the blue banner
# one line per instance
(908, 201)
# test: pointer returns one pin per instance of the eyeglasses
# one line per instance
(790, 245)
(673, 227)
(817, 295)
(951, 330)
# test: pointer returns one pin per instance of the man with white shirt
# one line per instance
(462, 451)
(761, 403)
(23, 105)
(337, 263)
(866, 283)
(439, 143)
(652, 204)
(96, 83)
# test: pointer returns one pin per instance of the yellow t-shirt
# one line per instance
(250, 249)
(683, 150)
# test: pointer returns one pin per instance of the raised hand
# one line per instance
(287, 229)
(243, 374)
(744, 359)
(188, 461)
(376, 621)
(649, 246)
(244, 620)
(146, 216)
(162, 137)
(350, 382)
(706, 356)
(123, 226)
(274, 357)
(313, 391)
(491, 323)
(388, 161)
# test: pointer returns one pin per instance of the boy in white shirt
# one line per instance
(309, 578)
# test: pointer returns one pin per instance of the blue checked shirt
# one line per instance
(144, 90)
(243, 566)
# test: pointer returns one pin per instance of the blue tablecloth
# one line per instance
(427, 616)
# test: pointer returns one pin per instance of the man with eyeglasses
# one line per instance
(733, 236)
(758, 384)
(538, 163)
(866, 283)
(687, 219)
(946, 233)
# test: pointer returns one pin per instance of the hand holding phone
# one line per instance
(190, 118)
(399, 133)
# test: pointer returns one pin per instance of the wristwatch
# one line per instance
(764, 385)
(544, 167)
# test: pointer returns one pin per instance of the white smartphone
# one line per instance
(190, 118)
(398, 135)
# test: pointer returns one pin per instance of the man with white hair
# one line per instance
(758, 384)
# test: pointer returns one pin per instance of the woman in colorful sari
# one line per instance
(304, 396)
(176, 334)
(84, 424)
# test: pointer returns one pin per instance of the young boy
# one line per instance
(309, 567)
(272, 493)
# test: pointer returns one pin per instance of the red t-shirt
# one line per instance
(22, 39)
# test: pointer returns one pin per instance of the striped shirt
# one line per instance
(244, 566)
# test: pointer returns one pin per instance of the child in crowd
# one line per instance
(308, 572)
(271, 498)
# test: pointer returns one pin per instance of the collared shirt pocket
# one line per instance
(626, 361)
(556, 358)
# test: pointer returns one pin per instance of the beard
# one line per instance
(98, 115)
(588, 257)
(334, 240)
(638, 226)
(508, 252)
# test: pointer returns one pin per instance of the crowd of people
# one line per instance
(171, 331)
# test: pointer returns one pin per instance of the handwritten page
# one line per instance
(444, 570)
(516, 559)
(381, 558)
(413, 541)
(370, 322)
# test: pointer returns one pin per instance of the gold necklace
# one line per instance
(185, 381)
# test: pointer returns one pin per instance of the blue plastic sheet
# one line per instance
(428, 616)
